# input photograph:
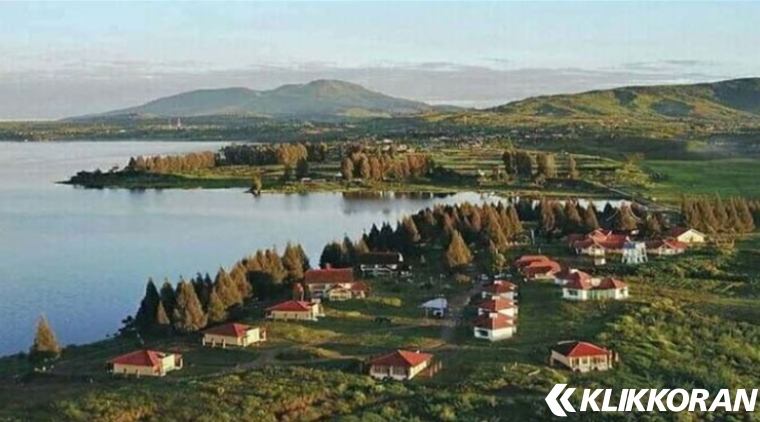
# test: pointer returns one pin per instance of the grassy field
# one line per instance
(727, 177)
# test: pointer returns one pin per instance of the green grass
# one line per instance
(726, 177)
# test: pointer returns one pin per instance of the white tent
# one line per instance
(439, 306)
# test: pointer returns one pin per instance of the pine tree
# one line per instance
(217, 312)
(590, 222)
(652, 228)
(547, 219)
(240, 280)
(457, 254)
(292, 261)
(163, 323)
(188, 313)
(733, 222)
(302, 168)
(721, 215)
(45, 346)
(168, 298)
(572, 170)
(496, 260)
(573, 220)
(515, 225)
(146, 314)
(745, 216)
(547, 166)
(624, 219)
(226, 289)
(347, 169)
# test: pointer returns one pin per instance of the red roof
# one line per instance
(496, 304)
(541, 267)
(401, 358)
(527, 259)
(667, 243)
(574, 349)
(499, 288)
(148, 358)
(229, 330)
(291, 306)
(495, 322)
(579, 284)
(611, 283)
(329, 275)
(677, 231)
(359, 286)
(570, 274)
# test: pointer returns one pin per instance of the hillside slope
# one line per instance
(315, 99)
(739, 98)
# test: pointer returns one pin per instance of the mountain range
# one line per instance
(732, 99)
(333, 99)
(317, 99)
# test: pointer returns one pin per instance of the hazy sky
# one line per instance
(60, 59)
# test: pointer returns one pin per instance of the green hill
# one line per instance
(733, 99)
(321, 98)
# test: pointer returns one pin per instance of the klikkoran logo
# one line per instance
(650, 400)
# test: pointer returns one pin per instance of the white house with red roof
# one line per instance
(498, 305)
(146, 363)
(536, 266)
(666, 247)
(595, 289)
(569, 275)
(580, 356)
(499, 289)
(687, 235)
(334, 284)
(494, 327)
(399, 365)
(233, 334)
(295, 310)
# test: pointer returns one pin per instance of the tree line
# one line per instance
(287, 154)
(173, 163)
(534, 165)
(191, 305)
(713, 215)
(378, 166)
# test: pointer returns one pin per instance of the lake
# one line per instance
(82, 257)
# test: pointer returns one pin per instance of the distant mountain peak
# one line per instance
(322, 98)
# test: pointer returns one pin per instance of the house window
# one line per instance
(399, 371)
(482, 333)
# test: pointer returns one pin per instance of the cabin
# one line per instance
(667, 247)
(583, 289)
(687, 235)
(494, 327)
(295, 310)
(540, 270)
(334, 284)
(570, 275)
(381, 264)
(580, 356)
(399, 365)
(498, 306)
(499, 289)
(146, 363)
(598, 243)
(233, 334)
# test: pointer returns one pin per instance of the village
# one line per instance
(442, 321)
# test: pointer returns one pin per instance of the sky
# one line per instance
(59, 59)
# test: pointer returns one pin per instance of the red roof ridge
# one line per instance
(401, 358)
(143, 357)
(579, 349)
(230, 329)
(291, 305)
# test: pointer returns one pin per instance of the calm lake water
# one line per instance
(82, 257)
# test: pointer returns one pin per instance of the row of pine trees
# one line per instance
(713, 215)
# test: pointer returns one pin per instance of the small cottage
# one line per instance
(494, 327)
(497, 305)
(595, 289)
(399, 365)
(295, 310)
(687, 235)
(233, 334)
(499, 289)
(334, 284)
(146, 363)
(580, 356)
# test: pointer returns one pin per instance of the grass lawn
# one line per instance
(727, 177)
